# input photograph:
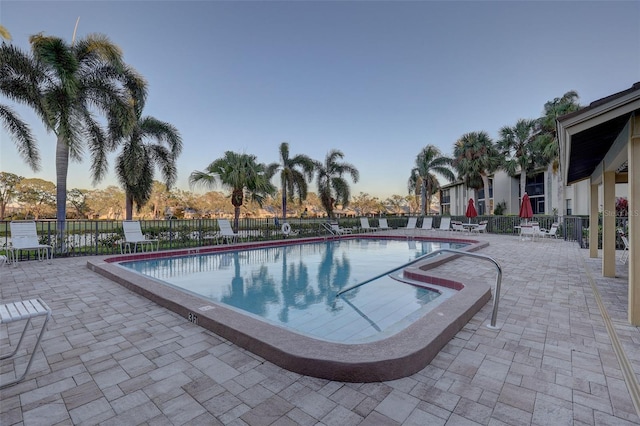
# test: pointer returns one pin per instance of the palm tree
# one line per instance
(423, 179)
(11, 88)
(518, 146)
(475, 158)
(65, 84)
(241, 174)
(292, 180)
(332, 186)
(547, 141)
(135, 163)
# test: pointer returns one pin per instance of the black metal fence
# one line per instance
(103, 237)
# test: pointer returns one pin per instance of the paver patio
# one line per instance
(112, 357)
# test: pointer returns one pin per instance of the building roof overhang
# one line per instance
(594, 139)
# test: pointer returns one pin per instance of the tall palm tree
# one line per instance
(333, 188)
(239, 173)
(292, 180)
(18, 130)
(547, 140)
(66, 84)
(136, 162)
(475, 158)
(423, 179)
(518, 145)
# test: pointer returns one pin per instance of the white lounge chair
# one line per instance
(411, 225)
(457, 226)
(18, 311)
(383, 225)
(133, 236)
(226, 231)
(552, 232)
(364, 224)
(338, 230)
(445, 224)
(427, 224)
(24, 236)
(482, 227)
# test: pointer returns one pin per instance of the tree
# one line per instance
(547, 140)
(16, 89)
(78, 199)
(293, 181)
(37, 196)
(8, 190)
(239, 173)
(332, 186)
(475, 158)
(365, 204)
(66, 84)
(423, 176)
(518, 146)
(107, 203)
(136, 162)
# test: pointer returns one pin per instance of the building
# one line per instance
(600, 147)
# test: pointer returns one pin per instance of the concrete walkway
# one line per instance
(564, 355)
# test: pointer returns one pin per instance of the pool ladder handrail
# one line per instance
(327, 227)
(496, 299)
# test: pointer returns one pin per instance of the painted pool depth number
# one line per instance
(192, 318)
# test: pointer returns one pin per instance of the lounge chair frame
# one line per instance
(24, 310)
(24, 237)
(133, 236)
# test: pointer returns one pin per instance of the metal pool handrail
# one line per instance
(496, 299)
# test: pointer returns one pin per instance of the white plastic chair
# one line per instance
(364, 224)
(382, 224)
(338, 230)
(18, 311)
(482, 227)
(552, 232)
(427, 224)
(624, 257)
(445, 224)
(133, 236)
(411, 225)
(24, 236)
(457, 226)
(226, 231)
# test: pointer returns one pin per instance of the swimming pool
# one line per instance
(368, 334)
(296, 286)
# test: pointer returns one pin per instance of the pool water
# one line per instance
(295, 286)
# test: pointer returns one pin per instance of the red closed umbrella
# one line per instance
(526, 212)
(471, 210)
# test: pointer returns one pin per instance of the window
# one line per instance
(569, 207)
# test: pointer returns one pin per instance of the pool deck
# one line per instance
(564, 354)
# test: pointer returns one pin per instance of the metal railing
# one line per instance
(496, 298)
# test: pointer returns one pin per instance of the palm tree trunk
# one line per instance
(487, 201)
(284, 204)
(62, 167)
(236, 218)
(423, 198)
(523, 183)
(128, 206)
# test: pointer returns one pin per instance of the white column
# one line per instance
(609, 224)
(593, 222)
(634, 222)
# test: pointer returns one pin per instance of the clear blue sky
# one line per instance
(377, 80)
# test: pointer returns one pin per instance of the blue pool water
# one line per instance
(295, 286)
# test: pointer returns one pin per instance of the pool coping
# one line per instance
(394, 357)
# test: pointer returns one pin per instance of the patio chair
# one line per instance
(457, 226)
(445, 224)
(338, 230)
(23, 310)
(226, 231)
(24, 236)
(427, 224)
(411, 225)
(482, 227)
(364, 224)
(552, 232)
(383, 225)
(624, 257)
(133, 236)
(529, 231)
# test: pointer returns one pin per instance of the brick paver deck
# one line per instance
(112, 357)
